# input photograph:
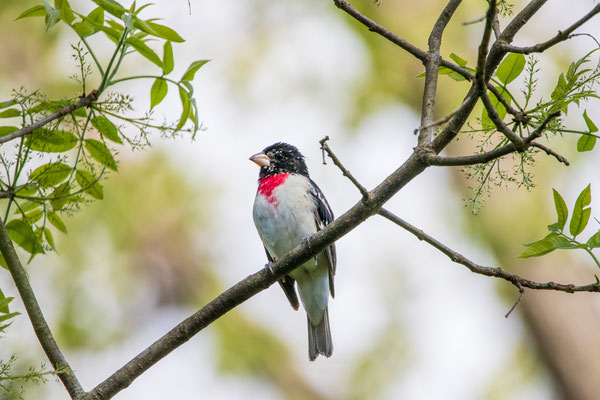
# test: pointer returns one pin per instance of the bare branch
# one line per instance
(375, 27)
(345, 172)
(432, 66)
(551, 152)
(40, 326)
(496, 272)
(481, 78)
(521, 293)
(84, 101)
(560, 37)
(433, 159)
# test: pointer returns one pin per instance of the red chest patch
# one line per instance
(267, 184)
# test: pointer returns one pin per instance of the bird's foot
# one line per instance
(269, 267)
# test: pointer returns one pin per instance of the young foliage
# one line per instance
(573, 87)
(557, 238)
(78, 149)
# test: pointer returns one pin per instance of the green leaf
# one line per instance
(34, 216)
(591, 126)
(4, 302)
(191, 71)
(83, 29)
(10, 113)
(165, 32)
(49, 238)
(185, 103)
(457, 59)
(101, 153)
(558, 91)
(49, 175)
(96, 16)
(538, 248)
(586, 143)
(561, 209)
(144, 50)
(66, 13)
(128, 19)
(35, 11)
(566, 245)
(112, 7)
(3, 262)
(89, 184)
(158, 92)
(7, 130)
(21, 233)
(581, 215)
(168, 62)
(52, 15)
(106, 128)
(26, 190)
(8, 316)
(594, 241)
(27, 206)
(56, 221)
(510, 68)
(60, 196)
(51, 141)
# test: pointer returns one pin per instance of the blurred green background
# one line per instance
(175, 226)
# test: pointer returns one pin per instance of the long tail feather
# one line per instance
(319, 338)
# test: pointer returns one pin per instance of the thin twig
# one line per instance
(345, 172)
(521, 293)
(483, 270)
(551, 152)
(434, 159)
(375, 27)
(84, 101)
(561, 36)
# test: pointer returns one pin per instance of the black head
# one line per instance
(280, 158)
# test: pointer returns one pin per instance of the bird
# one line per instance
(288, 208)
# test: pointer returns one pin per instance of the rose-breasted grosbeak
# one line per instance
(288, 208)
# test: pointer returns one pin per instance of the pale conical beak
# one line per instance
(261, 160)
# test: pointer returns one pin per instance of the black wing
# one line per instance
(287, 284)
(324, 216)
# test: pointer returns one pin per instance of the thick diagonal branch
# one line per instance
(40, 326)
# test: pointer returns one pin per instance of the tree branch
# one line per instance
(40, 326)
(481, 78)
(560, 37)
(259, 281)
(432, 66)
(496, 272)
(481, 158)
(84, 101)
(375, 27)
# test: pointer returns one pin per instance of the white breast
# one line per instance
(284, 221)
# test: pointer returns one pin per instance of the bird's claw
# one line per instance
(269, 267)
(307, 241)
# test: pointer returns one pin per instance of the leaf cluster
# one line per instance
(62, 164)
(573, 87)
(558, 237)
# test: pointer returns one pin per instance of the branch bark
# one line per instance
(84, 101)
(40, 326)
